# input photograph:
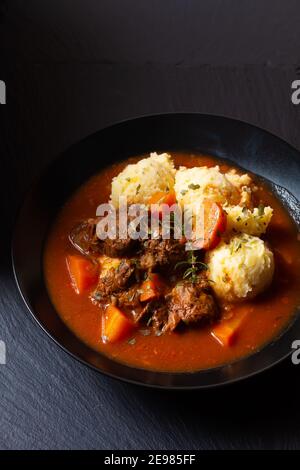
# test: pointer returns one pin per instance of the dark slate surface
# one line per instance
(72, 68)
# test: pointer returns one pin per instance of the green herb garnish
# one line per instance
(194, 186)
(261, 210)
(236, 246)
(194, 266)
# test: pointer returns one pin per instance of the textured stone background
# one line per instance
(72, 67)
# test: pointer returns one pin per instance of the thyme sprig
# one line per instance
(194, 266)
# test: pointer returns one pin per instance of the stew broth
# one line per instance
(193, 348)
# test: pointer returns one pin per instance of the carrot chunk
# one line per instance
(152, 288)
(226, 332)
(83, 272)
(214, 223)
(161, 197)
(116, 325)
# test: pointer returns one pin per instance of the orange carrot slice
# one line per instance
(226, 332)
(83, 272)
(152, 288)
(161, 197)
(116, 325)
(214, 222)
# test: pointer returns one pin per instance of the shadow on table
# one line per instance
(264, 408)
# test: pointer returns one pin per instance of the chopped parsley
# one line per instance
(261, 210)
(236, 246)
(194, 186)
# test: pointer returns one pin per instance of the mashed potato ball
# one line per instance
(240, 268)
(139, 181)
(199, 183)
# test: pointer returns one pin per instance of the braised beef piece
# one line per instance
(188, 302)
(115, 280)
(118, 248)
(83, 237)
(129, 298)
(191, 302)
(157, 313)
(159, 253)
(154, 253)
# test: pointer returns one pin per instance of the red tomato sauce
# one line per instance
(194, 348)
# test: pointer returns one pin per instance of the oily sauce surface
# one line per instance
(194, 348)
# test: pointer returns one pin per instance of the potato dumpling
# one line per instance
(141, 180)
(240, 268)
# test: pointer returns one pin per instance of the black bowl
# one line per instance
(252, 148)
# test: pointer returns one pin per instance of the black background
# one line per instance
(72, 67)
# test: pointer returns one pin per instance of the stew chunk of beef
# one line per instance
(155, 313)
(188, 302)
(114, 281)
(159, 253)
(84, 238)
(154, 253)
(117, 247)
(191, 302)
